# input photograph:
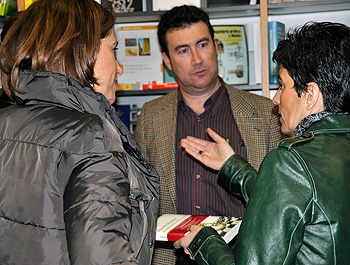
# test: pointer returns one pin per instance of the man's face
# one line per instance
(193, 58)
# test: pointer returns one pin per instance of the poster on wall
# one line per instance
(233, 53)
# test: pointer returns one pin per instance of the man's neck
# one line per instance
(196, 100)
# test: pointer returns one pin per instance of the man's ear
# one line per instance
(216, 46)
(166, 60)
(313, 98)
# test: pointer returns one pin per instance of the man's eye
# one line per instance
(182, 51)
(202, 45)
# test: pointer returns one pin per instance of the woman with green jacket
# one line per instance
(298, 203)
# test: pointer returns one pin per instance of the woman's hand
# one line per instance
(186, 240)
(211, 154)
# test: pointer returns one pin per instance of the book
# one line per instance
(139, 55)
(233, 53)
(8, 7)
(125, 6)
(124, 114)
(257, 52)
(276, 34)
(254, 2)
(162, 5)
(171, 227)
(219, 3)
(280, 1)
(155, 85)
(169, 76)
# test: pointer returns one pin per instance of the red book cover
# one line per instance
(171, 227)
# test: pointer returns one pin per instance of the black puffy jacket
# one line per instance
(74, 188)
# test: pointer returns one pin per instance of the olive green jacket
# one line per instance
(298, 207)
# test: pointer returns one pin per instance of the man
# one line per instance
(299, 200)
(203, 100)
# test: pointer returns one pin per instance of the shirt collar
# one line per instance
(209, 102)
(309, 120)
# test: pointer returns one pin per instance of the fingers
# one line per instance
(194, 152)
(217, 138)
(195, 146)
(177, 244)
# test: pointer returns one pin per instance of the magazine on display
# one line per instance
(233, 53)
(139, 55)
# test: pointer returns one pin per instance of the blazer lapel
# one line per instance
(165, 128)
(250, 126)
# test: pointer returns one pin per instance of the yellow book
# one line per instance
(27, 3)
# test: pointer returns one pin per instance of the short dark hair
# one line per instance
(61, 36)
(180, 17)
(319, 52)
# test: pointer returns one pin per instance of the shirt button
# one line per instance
(198, 206)
(198, 119)
(198, 176)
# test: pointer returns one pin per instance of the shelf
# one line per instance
(239, 11)
(246, 10)
(308, 7)
(156, 92)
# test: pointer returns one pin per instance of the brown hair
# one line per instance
(60, 36)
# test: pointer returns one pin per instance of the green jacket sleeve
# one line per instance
(238, 176)
(209, 248)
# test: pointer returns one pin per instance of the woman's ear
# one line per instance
(313, 98)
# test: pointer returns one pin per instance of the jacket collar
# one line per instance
(337, 122)
(47, 88)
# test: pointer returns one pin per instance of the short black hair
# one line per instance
(319, 52)
(180, 17)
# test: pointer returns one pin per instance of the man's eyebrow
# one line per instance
(181, 46)
(203, 39)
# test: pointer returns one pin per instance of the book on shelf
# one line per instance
(128, 114)
(169, 76)
(139, 55)
(161, 5)
(124, 114)
(276, 32)
(233, 53)
(8, 7)
(125, 6)
(218, 3)
(155, 85)
(281, 1)
(257, 52)
(171, 227)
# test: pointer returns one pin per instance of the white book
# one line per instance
(169, 4)
(257, 52)
(139, 55)
(171, 227)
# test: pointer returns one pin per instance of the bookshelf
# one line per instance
(262, 12)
